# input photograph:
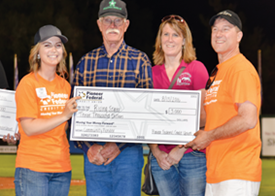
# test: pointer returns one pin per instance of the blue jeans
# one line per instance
(31, 183)
(186, 178)
(121, 177)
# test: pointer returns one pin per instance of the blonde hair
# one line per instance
(35, 63)
(188, 51)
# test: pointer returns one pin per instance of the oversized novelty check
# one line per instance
(8, 123)
(135, 115)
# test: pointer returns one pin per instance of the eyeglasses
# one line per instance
(210, 80)
(117, 22)
(170, 17)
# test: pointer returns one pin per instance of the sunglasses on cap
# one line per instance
(211, 78)
(170, 17)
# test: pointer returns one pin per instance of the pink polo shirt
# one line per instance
(194, 77)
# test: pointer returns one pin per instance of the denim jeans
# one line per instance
(121, 177)
(185, 178)
(31, 183)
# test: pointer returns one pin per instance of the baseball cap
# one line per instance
(112, 8)
(228, 15)
(48, 31)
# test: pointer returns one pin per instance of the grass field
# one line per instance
(7, 170)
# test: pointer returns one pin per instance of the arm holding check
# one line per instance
(36, 126)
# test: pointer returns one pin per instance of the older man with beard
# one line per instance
(113, 168)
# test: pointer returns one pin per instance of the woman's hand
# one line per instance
(70, 107)
(162, 161)
(160, 156)
(175, 155)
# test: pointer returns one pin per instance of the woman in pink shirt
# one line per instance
(178, 171)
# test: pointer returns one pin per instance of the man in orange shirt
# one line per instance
(232, 105)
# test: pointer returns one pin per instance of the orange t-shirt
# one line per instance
(39, 98)
(238, 157)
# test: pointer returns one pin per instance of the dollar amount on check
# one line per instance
(135, 115)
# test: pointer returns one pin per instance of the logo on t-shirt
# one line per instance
(212, 92)
(184, 79)
(52, 103)
(41, 92)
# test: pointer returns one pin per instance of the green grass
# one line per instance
(268, 178)
(77, 162)
(7, 167)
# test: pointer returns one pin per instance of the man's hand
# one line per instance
(94, 155)
(202, 140)
(175, 155)
(109, 152)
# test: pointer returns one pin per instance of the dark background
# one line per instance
(20, 20)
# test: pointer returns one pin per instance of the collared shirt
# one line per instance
(128, 68)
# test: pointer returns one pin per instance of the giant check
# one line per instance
(8, 123)
(135, 115)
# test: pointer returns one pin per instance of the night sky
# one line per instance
(20, 19)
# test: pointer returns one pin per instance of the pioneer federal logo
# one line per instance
(90, 95)
(53, 99)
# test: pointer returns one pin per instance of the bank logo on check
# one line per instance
(94, 96)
